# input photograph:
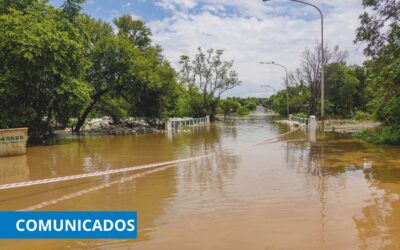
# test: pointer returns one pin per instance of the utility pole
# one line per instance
(287, 84)
(322, 58)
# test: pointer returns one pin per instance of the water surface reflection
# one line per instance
(333, 192)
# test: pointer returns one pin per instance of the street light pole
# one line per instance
(322, 57)
(269, 86)
(287, 84)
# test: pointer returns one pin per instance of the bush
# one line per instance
(301, 115)
(251, 106)
(228, 106)
(242, 111)
(388, 136)
(362, 116)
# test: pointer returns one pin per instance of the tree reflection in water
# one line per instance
(334, 157)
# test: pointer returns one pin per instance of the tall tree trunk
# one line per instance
(83, 117)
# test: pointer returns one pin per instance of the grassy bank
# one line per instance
(384, 136)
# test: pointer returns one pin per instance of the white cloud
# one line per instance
(177, 5)
(251, 31)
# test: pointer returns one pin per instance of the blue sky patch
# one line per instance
(109, 9)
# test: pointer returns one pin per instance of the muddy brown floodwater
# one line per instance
(336, 193)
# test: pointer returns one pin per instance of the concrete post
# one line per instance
(312, 129)
(168, 124)
(13, 141)
(313, 121)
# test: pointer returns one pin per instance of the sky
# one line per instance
(249, 31)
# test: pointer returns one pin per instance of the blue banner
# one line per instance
(68, 225)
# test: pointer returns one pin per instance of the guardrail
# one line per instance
(176, 123)
(311, 121)
(300, 120)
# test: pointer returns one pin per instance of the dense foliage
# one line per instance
(341, 90)
(380, 30)
(229, 106)
(387, 135)
(346, 91)
(309, 73)
(59, 64)
(239, 106)
(42, 68)
(364, 92)
(299, 100)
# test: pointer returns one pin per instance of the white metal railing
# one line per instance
(311, 121)
(176, 123)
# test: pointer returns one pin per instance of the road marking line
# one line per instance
(92, 189)
(99, 173)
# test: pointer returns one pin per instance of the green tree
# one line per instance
(113, 67)
(341, 90)
(250, 103)
(208, 75)
(310, 71)
(155, 96)
(7, 6)
(43, 60)
(134, 30)
(127, 79)
(380, 30)
(183, 103)
(112, 105)
(385, 80)
(299, 97)
(364, 93)
(58, 64)
(72, 9)
(242, 111)
(229, 106)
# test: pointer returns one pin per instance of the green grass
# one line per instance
(301, 115)
(385, 136)
(362, 116)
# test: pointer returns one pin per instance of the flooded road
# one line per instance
(336, 193)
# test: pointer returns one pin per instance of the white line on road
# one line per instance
(99, 173)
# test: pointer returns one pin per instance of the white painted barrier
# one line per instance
(312, 129)
(311, 125)
(13, 141)
(99, 173)
(177, 123)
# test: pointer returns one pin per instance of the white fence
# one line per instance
(176, 123)
(310, 124)
(311, 121)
